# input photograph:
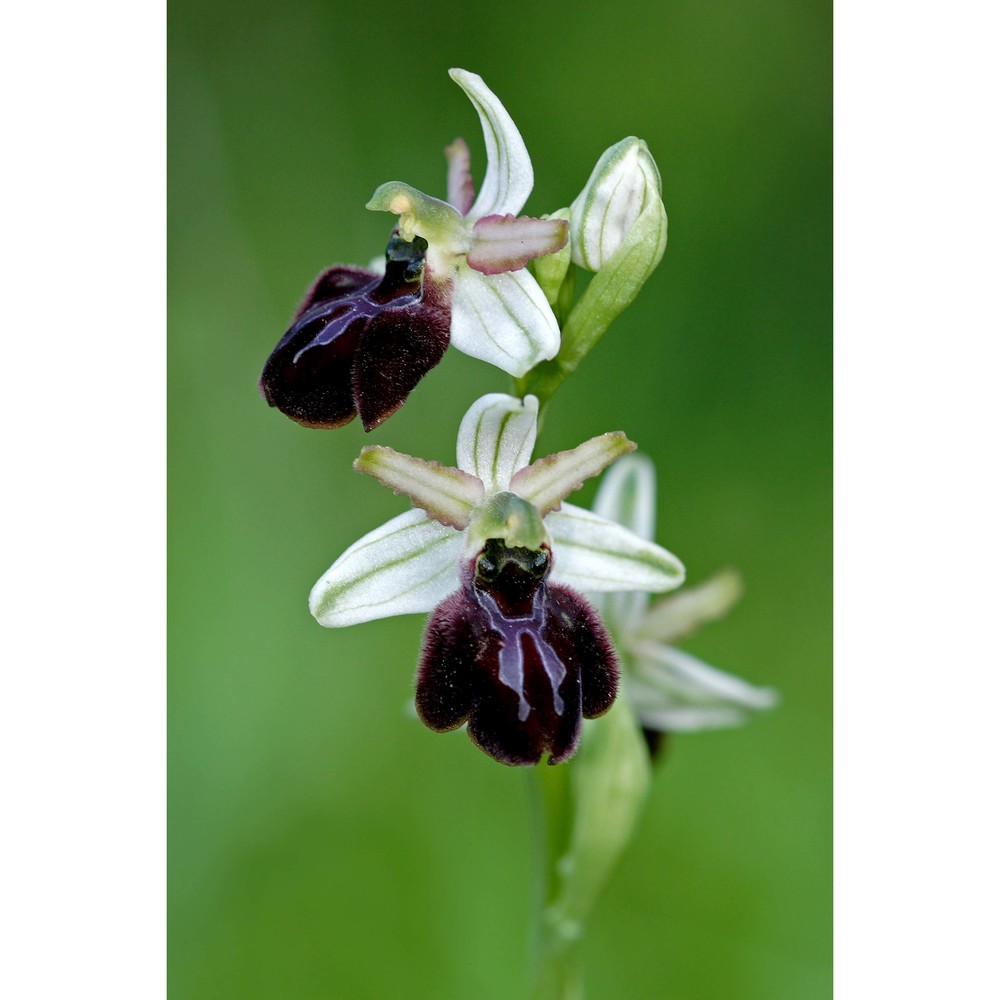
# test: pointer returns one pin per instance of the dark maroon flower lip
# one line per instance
(360, 342)
(518, 658)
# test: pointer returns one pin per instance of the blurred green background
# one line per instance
(322, 843)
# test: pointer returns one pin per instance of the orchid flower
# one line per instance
(511, 647)
(669, 689)
(362, 340)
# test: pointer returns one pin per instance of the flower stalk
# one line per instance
(542, 641)
(585, 817)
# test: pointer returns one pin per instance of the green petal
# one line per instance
(547, 482)
(677, 616)
(447, 495)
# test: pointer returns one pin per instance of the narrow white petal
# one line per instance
(496, 437)
(503, 319)
(677, 616)
(509, 177)
(447, 495)
(547, 482)
(405, 567)
(681, 677)
(592, 553)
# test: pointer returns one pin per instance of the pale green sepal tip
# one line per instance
(674, 618)
(419, 213)
(509, 517)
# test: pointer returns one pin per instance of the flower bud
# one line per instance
(624, 186)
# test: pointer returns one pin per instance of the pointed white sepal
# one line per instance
(503, 319)
(496, 438)
(627, 496)
(670, 681)
(407, 566)
(509, 176)
(594, 554)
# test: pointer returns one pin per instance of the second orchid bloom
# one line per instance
(511, 648)
(455, 272)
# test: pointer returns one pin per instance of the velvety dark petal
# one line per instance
(581, 627)
(517, 726)
(360, 342)
(338, 283)
(523, 660)
(397, 349)
(309, 374)
(445, 678)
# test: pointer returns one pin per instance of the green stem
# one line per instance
(558, 973)
(583, 816)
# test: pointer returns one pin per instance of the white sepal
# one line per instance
(509, 177)
(503, 319)
(496, 438)
(407, 566)
(684, 679)
(627, 496)
(592, 553)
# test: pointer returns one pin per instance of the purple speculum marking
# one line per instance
(514, 631)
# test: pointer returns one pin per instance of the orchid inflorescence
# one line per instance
(513, 649)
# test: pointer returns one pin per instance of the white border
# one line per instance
(917, 502)
(83, 737)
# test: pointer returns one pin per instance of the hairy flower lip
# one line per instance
(522, 661)
(360, 342)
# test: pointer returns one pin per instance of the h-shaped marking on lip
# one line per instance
(512, 631)
(344, 311)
